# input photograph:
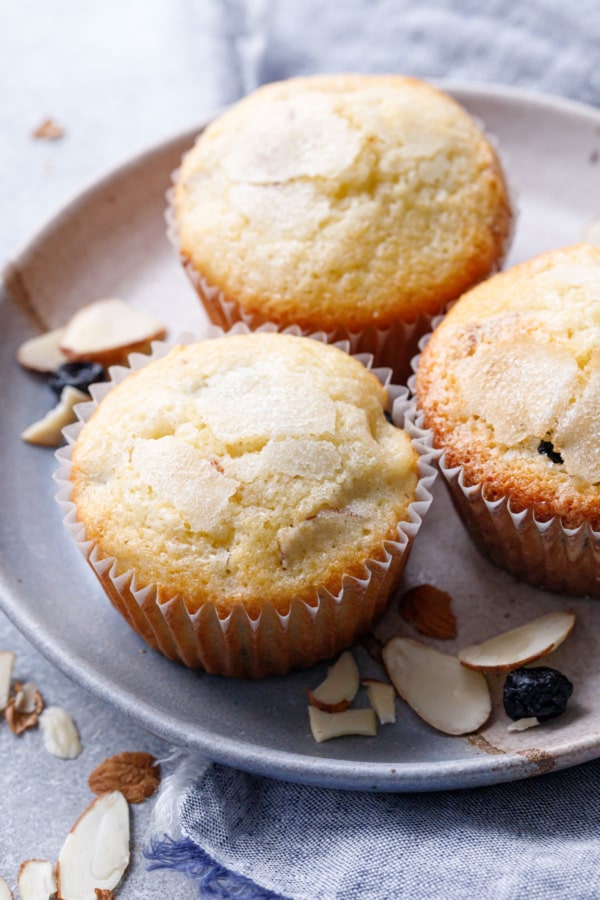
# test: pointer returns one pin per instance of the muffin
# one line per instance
(509, 384)
(354, 205)
(244, 501)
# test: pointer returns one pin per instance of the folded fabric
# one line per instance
(245, 836)
(537, 44)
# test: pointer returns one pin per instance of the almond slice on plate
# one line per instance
(382, 697)
(96, 851)
(339, 689)
(47, 432)
(7, 661)
(429, 609)
(5, 892)
(325, 726)
(523, 724)
(449, 697)
(519, 646)
(42, 353)
(107, 331)
(37, 880)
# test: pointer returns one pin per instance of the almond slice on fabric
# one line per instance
(338, 690)
(37, 880)
(107, 331)
(47, 432)
(7, 661)
(382, 697)
(447, 696)
(95, 853)
(325, 726)
(521, 645)
(42, 353)
(5, 892)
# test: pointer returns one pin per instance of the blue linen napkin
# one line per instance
(257, 838)
(240, 835)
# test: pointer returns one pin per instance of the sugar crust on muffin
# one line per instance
(242, 470)
(509, 383)
(345, 199)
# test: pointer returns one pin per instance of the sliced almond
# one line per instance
(24, 708)
(429, 609)
(382, 697)
(61, 737)
(449, 697)
(28, 699)
(519, 646)
(523, 724)
(5, 892)
(47, 432)
(107, 331)
(325, 726)
(37, 880)
(136, 775)
(102, 894)
(7, 661)
(95, 854)
(42, 353)
(339, 689)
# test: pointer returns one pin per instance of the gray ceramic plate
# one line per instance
(111, 242)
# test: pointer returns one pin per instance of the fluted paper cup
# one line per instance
(272, 643)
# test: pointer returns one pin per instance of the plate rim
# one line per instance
(474, 771)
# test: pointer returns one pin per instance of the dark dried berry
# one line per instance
(76, 374)
(547, 448)
(541, 692)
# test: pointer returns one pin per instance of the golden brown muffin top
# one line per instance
(510, 385)
(244, 469)
(342, 200)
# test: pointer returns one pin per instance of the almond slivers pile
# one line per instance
(448, 692)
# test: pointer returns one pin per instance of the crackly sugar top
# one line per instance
(243, 468)
(342, 200)
(515, 369)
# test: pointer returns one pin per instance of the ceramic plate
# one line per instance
(111, 242)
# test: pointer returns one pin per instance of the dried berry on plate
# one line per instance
(542, 693)
(76, 374)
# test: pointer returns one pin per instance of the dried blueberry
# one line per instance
(547, 448)
(76, 374)
(541, 692)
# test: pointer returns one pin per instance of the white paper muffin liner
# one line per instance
(271, 644)
(545, 554)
